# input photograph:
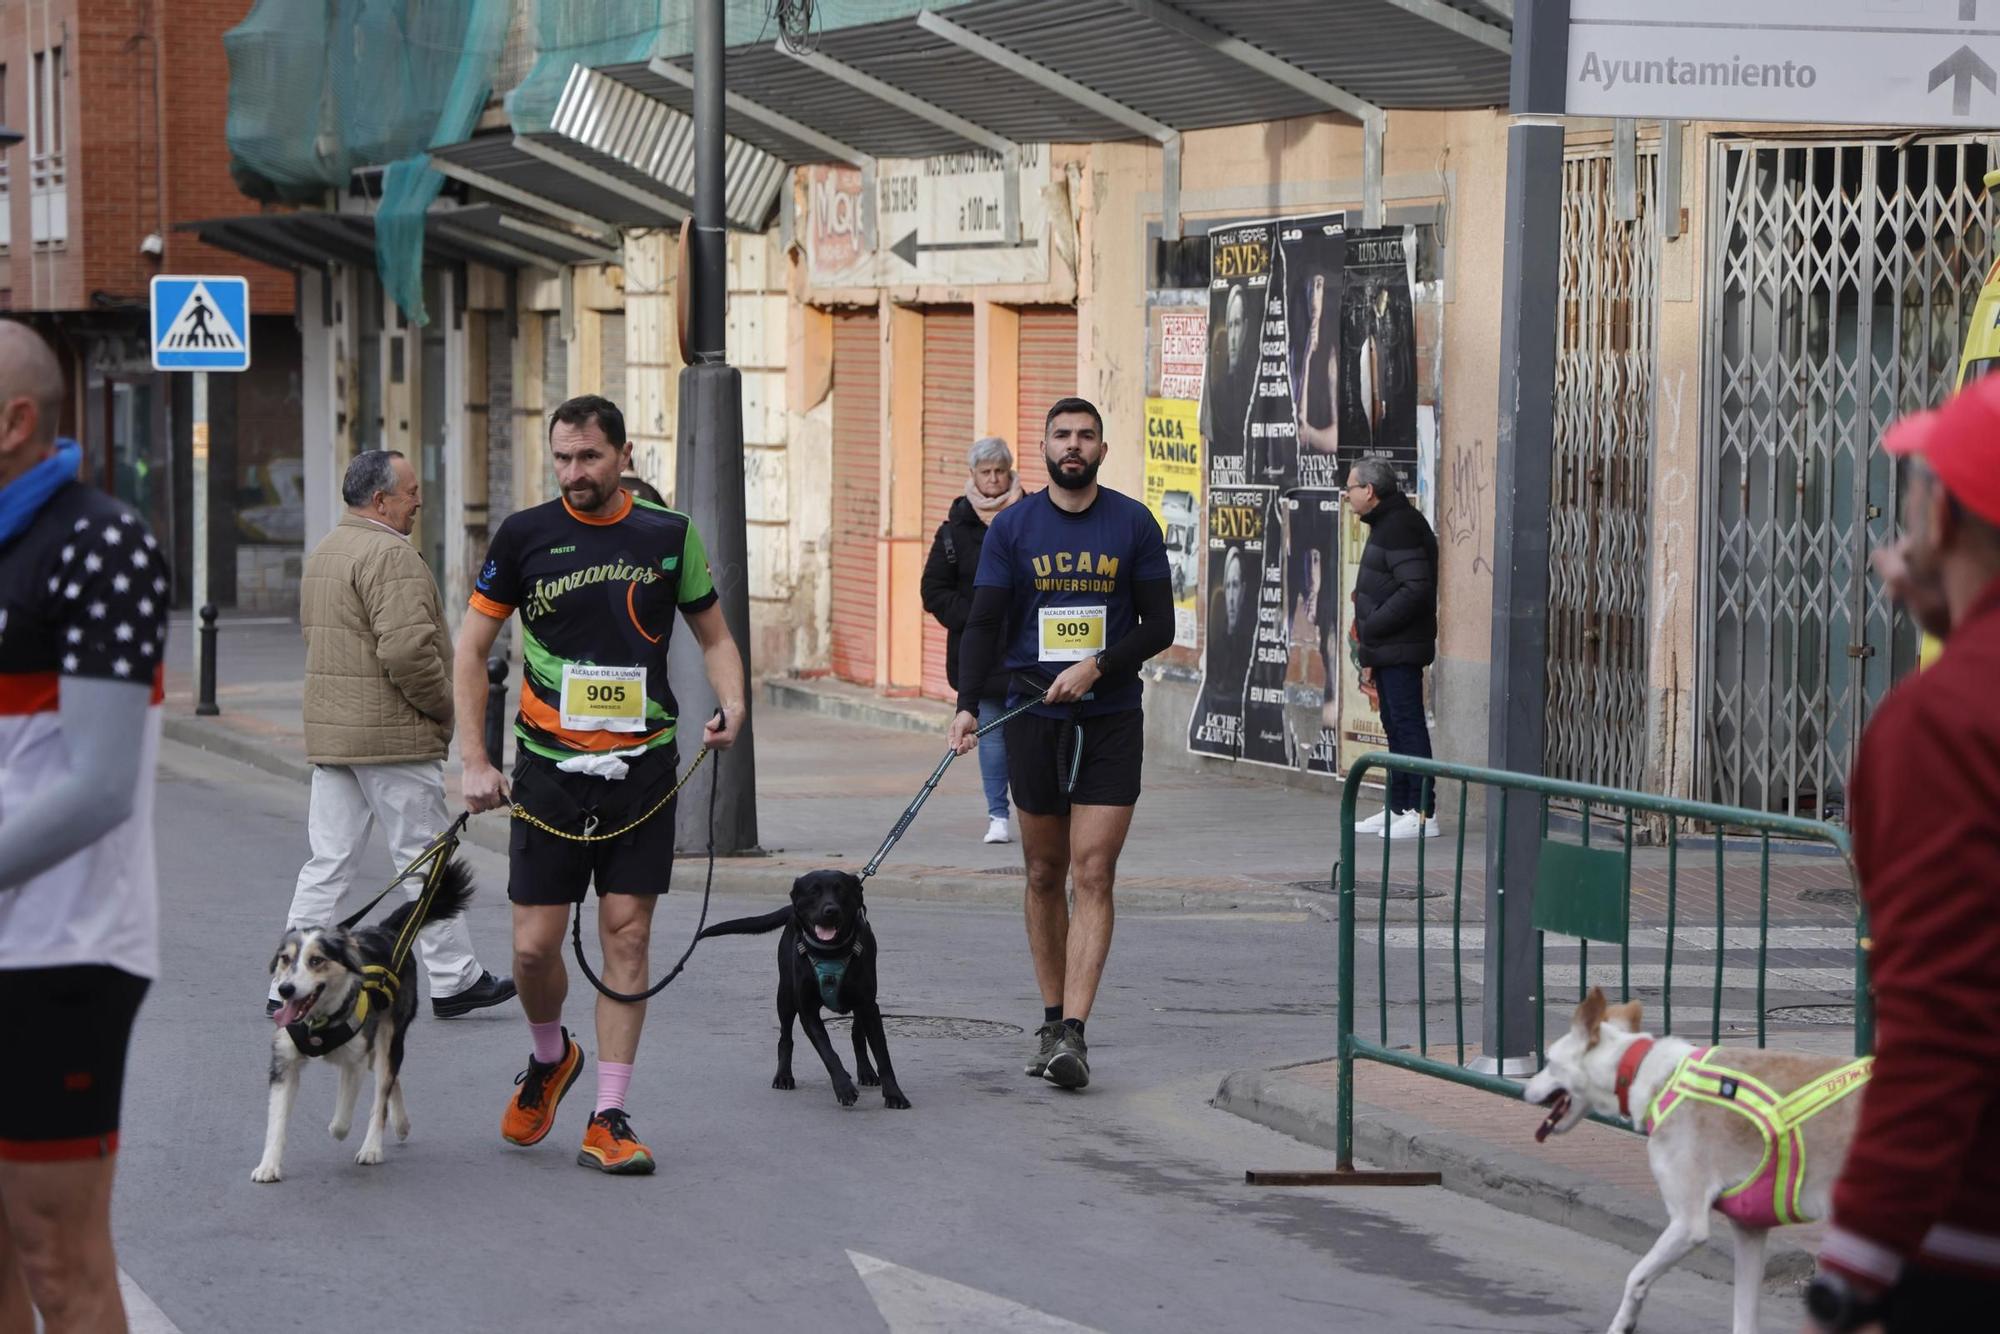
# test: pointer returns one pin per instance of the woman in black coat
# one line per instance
(947, 590)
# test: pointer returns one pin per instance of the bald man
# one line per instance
(83, 598)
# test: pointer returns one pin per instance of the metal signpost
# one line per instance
(201, 324)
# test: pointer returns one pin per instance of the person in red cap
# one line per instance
(1914, 1241)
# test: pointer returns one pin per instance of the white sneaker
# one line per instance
(1410, 824)
(997, 832)
(1374, 824)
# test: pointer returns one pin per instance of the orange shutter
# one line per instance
(857, 491)
(1048, 372)
(947, 438)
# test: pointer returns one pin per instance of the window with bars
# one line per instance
(47, 174)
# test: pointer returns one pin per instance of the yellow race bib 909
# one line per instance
(1071, 634)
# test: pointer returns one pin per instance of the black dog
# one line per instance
(826, 959)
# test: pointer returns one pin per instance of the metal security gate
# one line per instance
(947, 438)
(1599, 562)
(1840, 279)
(1047, 372)
(857, 492)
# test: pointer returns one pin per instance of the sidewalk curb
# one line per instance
(1510, 1181)
(926, 716)
(752, 875)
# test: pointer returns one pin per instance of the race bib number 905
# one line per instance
(603, 699)
(1071, 634)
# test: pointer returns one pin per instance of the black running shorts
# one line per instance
(68, 1029)
(543, 868)
(1039, 752)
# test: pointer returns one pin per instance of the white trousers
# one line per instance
(408, 799)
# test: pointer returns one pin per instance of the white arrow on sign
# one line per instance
(917, 1303)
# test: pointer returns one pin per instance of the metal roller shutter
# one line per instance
(857, 495)
(1047, 373)
(947, 436)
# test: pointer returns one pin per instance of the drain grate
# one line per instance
(1839, 894)
(1368, 893)
(937, 1026)
(1015, 871)
(1838, 1016)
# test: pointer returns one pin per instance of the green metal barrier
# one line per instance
(1581, 890)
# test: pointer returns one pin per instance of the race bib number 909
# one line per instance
(1071, 634)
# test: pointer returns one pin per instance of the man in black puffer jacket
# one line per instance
(947, 593)
(1395, 624)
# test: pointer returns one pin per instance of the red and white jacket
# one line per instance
(83, 593)
(1922, 1180)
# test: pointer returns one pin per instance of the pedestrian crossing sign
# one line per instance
(201, 323)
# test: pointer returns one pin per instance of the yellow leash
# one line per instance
(523, 813)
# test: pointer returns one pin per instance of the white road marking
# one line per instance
(912, 1302)
(142, 1316)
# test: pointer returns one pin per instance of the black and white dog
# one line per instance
(341, 1002)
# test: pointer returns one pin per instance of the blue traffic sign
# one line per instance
(201, 323)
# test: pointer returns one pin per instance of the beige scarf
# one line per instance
(988, 506)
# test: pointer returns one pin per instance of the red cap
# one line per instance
(1961, 443)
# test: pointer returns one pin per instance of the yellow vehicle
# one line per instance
(1980, 356)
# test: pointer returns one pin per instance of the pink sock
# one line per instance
(549, 1045)
(612, 1081)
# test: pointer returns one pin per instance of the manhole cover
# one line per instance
(1840, 894)
(1840, 1016)
(1369, 893)
(937, 1026)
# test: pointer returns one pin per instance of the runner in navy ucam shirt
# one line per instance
(1073, 590)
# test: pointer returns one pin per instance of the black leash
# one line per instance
(708, 887)
(910, 812)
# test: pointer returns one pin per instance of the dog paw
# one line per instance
(265, 1173)
(867, 1078)
(403, 1129)
(370, 1155)
(847, 1093)
(339, 1128)
(783, 1080)
(894, 1098)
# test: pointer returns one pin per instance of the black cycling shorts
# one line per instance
(68, 1028)
(1040, 751)
(543, 868)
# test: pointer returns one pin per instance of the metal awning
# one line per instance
(508, 167)
(480, 234)
(1183, 64)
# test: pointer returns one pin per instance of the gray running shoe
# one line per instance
(1045, 1044)
(1069, 1063)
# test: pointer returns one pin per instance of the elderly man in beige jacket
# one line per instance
(378, 714)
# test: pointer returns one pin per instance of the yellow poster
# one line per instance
(1173, 493)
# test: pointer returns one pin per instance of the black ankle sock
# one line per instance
(1074, 1025)
(1052, 1014)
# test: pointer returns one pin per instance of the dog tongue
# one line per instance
(289, 1012)
(1556, 1114)
(825, 932)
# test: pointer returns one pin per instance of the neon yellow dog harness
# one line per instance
(1770, 1196)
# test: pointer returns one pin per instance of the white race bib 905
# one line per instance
(603, 699)
(1071, 634)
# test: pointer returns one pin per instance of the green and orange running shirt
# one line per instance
(597, 596)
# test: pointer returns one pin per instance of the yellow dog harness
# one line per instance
(1771, 1195)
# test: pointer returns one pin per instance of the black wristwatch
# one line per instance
(1834, 1303)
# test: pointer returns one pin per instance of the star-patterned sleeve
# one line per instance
(109, 600)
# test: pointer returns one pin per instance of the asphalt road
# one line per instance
(996, 1203)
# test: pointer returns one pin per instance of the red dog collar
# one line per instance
(1628, 1070)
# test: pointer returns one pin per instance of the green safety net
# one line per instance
(606, 32)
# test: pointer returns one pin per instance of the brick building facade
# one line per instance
(123, 106)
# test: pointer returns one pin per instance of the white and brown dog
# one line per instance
(340, 1001)
(1756, 1135)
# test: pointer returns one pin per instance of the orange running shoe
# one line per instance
(610, 1146)
(532, 1112)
